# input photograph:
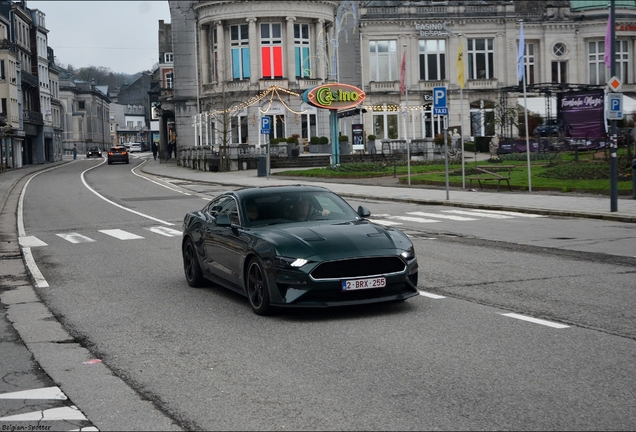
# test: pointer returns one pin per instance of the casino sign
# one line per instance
(334, 96)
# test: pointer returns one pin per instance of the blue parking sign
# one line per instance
(439, 97)
(266, 127)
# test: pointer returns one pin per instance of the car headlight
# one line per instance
(408, 254)
(284, 262)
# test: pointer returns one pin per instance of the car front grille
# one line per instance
(358, 267)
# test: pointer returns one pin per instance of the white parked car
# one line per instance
(134, 147)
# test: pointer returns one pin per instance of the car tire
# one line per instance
(256, 288)
(191, 266)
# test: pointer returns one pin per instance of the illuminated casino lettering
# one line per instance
(334, 96)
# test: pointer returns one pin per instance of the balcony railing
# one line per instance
(33, 117)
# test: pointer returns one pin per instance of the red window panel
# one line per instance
(278, 61)
(266, 62)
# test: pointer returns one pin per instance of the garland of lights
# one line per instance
(271, 91)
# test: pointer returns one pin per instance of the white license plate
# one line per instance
(358, 284)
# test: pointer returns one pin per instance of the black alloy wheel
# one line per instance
(257, 291)
(191, 266)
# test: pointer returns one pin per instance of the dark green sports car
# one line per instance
(296, 246)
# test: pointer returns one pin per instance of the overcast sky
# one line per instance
(119, 35)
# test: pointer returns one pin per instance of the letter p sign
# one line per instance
(439, 97)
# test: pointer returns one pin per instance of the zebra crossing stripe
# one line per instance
(31, 241)
(441, 216)
(515, 214)
(385, 222)
(63, 413)
(121, 234)
(75, 238)
(165, 231)
(42, 393)
(484, 215)
(414, 219)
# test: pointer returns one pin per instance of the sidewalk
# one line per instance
(555, 204)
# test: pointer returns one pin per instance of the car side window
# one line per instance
(224, 205)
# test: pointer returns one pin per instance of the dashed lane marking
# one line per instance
(431, 295)
(535, 320)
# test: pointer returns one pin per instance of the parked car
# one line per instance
(134, 147)
(553, 127)
(296, 246)
(94, 151)
(118, 154)
(145, 146)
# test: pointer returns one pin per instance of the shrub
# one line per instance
(371, 137)
(314, 140)
(292, 140)
(323, 140)
(343, 138)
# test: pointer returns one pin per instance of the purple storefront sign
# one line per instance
(585, 113)
(519, 146)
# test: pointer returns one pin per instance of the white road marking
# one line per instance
(385, 222)
(64, 413)
(41, 393)
(430, 295)
(121, 234)
(441, 216)
(156, 182)
(516, 214)
(38, 278)
(31, 241)
(165, 231)
(484, 215)
(414, 219)
(75, 238)
(535, 320)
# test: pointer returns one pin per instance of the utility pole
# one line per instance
(613, 138)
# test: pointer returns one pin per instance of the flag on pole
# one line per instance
(607, 57)
(460, 65)
(403, 74)
(522, 47)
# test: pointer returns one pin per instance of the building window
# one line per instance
(621, 53)
(308, 125)
(559, 49)
(214, 69)
(528, 61)
(559, 72)
(168, 58)
(301, 50)
(480, 59)
(271, 51)
(277, 123)
(239, 36)
(2, 76)
(81, 105)
(383, 60)
(239, 129)
(596, 65)
(169, 80)
(385, 123)
(432, 59)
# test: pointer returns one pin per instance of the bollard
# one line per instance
(394, 167)
(634, 179)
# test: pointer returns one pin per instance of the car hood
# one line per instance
(333, 240)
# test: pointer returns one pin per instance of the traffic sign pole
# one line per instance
(613, 140)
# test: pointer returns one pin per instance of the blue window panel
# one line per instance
(306, 64)
(246, 62)
(236, 63)
(299, 61)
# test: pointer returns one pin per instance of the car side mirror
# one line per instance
(223, 220)
(363, 212)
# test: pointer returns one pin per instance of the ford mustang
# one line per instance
(296, 246)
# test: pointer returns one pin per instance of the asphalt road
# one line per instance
(452, 358)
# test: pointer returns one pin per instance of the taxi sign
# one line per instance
(615, 83)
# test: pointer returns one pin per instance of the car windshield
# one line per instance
(291, 207)
(552, 122)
